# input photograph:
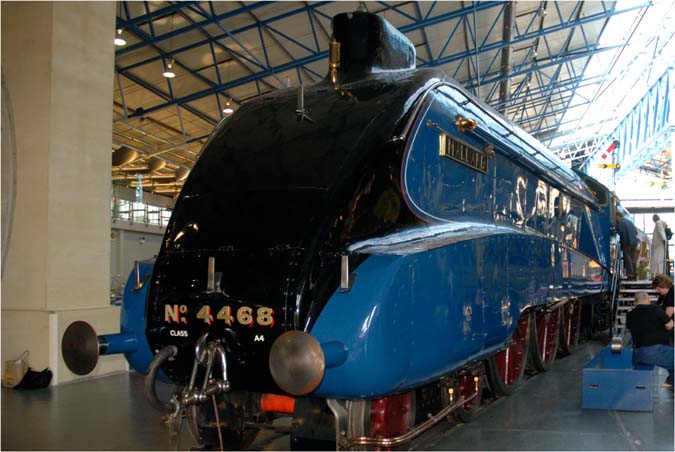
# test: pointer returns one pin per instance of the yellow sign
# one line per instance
(609, 165)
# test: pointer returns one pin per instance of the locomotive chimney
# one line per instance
(367, 44)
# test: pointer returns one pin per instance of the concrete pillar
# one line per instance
(58, 68)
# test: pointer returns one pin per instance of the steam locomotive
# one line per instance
(366, 251)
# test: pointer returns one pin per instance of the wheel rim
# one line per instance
(391, 416)
(571, 322)
(511, 361)
(547, 324)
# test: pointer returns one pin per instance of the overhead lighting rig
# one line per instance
(169, 73)
(119, 40)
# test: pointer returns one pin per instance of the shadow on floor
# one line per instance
(111, 413)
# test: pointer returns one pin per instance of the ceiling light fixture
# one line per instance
(228, 110)
(119, 40)
(169, 73)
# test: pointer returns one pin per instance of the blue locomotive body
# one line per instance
(503, 230)
(411, 319)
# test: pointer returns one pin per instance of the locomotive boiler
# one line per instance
(368, 253)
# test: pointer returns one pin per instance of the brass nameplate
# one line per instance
(463, 153)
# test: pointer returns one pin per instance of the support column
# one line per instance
(58, 68)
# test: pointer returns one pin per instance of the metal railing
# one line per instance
(614, 290)
(138, 212)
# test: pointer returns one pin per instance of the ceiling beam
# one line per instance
(321, 55)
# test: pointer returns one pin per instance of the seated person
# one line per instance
(650, 327)
(663, 286)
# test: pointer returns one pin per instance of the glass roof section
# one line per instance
(618, 79)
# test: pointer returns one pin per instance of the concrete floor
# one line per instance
(110, 413)
(545, 414)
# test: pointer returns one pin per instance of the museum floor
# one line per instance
(110, 413)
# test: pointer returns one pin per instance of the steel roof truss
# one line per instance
(430, 55)
(311, 74)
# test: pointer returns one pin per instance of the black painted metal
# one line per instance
(80, 347)
(275, 200)
(370, 44)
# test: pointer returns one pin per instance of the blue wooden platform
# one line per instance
(611, 382)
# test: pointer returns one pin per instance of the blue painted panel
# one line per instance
(509, 193)
(425, 303)
(405, 321)
(437, 188)
(369, 325)
(133, 318)
(610, 382)
(591, 236)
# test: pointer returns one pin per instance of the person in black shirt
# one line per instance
(649, 325)
(663, 285)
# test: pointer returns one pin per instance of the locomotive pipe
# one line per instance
(110, 344)
(412, 433)
(164, 354)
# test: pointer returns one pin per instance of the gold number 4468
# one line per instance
(264, 316)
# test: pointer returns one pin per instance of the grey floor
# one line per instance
(110, 413)
(545, 414)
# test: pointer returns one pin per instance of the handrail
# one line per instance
(614, 288)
